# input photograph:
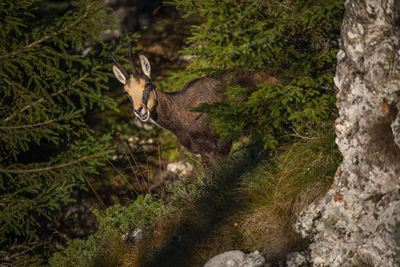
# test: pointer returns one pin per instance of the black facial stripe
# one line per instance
(130, 98)
(146, 93)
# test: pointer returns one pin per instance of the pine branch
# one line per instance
(47, 90)
(52, 95)
(27, 250)
(27, 125)
(52, 167)
(48, 36)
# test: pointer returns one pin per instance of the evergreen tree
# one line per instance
(47, 86)
(294, 41)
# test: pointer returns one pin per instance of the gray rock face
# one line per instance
(132, 236)
(295, 259)
(358, 221)
(236, 258)
(180, 168)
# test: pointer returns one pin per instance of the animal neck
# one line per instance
(165, 111)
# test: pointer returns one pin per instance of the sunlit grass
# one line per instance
(249, 202)
(280, 188)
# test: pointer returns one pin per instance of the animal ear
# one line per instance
(146, 68)
(118, 73)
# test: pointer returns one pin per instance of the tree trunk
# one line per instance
(358, 221)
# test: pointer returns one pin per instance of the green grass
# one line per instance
(280, 188)
(250, 203)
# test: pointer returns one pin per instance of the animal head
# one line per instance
(137, 85)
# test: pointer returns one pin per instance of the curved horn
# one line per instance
(120, 67)
(134, 71)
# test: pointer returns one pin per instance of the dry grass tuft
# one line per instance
(297, 175)
(161, 233)
(111, 250)
(244, 206)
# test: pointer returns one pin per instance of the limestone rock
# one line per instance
(358, 221)
(180, 168)
(236, 258)
(134, 235)
(295, 259)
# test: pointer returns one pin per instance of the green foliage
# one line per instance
(79, 253)
(138, 214)
(220, 211)
(113, 222)
(294, 41)
(47, 87)
(104, 248)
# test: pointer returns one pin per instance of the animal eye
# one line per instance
(148, 83)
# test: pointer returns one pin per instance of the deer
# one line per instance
(172, 111)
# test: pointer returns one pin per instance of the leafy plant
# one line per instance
(126, 218)
(106, 247)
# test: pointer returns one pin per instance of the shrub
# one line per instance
(106, 247)
(294, 41)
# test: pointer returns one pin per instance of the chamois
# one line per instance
(172, 110)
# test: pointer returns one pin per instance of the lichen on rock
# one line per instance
(358, 220)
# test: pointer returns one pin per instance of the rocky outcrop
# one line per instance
(236, 258)
(358, 221)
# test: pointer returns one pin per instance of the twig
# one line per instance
(96, 194)
(27, 126)
(149, 173)
(123, 177)
(55, 231)
(133, 170)
(27, 250)
(48, 168)
(296, 134)
(159, 155)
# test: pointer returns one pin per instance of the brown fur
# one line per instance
(172, 111)
(135, 94)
